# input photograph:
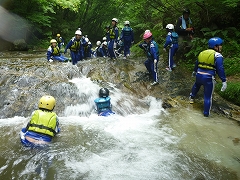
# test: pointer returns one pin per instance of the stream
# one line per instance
(141, 141)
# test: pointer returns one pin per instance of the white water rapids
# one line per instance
(142, 141)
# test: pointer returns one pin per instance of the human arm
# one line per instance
(68, 46)
(132, 36)
(143, 46)
(57, 129)
(116, 34)
(220, 70)
(219, 67)
(168, 40)
(49, 53)
(195, 69)
(121, 35)
(153, 52)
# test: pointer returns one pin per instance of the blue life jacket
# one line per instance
(103, 104)
(174, 37)
(126, 31)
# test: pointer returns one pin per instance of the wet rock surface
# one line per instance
(27, 76)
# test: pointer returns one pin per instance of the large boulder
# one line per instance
(20, 45)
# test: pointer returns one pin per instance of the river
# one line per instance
(141, 141)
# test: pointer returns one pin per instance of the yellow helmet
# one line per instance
(58, 35)
(47, 102)
(53, 41)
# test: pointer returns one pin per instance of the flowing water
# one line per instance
(141, 141)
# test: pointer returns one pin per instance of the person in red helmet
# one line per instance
(152, 55)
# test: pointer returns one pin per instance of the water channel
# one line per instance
(141, 141)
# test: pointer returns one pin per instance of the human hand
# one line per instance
(164, 49)
(224, 86)
(193, 74)
(189, 29)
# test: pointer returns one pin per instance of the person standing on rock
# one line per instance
(76, 47)
(113, 38)
(172, 43)
(208, 64)
(152, 55)
(127, 37)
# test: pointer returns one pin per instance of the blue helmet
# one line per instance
(215, 41)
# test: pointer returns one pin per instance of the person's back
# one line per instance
(43, 125)
(103, 103)
(208, 64)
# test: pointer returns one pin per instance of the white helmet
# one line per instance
(126, 23)
(115, 19)
(104, 38)
(98, 43)
(147, 31)
(78, 32)
(170, 26)
(86, 39)
(105, 43)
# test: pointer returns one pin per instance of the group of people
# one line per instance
(208, 64)
(80, 48)
(113, 44)
(43, 125)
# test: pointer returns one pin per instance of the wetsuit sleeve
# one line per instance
(49, 53)
(121, 35)
(153, 51)
(101, 51)
(143, 46)
(68, 45)
(196, 66)
(57, 129)
(132, 34)
(168, 41)
(116, 34)
(219, 67)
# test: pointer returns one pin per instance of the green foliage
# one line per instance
(232, 93)
(232, 66)
(198, 45)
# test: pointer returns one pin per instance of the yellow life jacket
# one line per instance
(43, 122)
(112, 33)
(58, 39)
(56, 51)
(76, 45)
(206, 59)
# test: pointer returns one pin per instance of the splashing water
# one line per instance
(141, 141)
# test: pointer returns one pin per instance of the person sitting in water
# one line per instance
(53, 52)
(103, 104)
(43, 125)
